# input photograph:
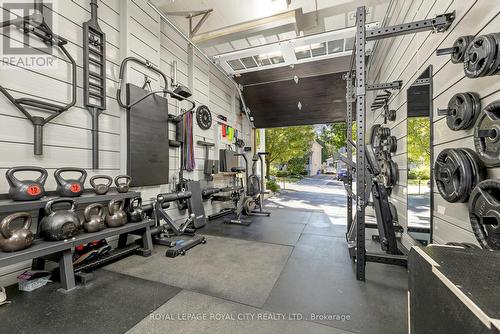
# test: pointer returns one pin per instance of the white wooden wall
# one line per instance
(132, 29)
(405, 58)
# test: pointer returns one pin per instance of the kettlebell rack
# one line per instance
(63, 249)
(356, 93)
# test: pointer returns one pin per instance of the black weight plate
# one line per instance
(391, 115)
(384, 176)
(488, 148)
(496, 64)
(484, 213)
(452, 172)
(392, 142)
(461, 115)
(204, 117)
(461, 44)
(477, 166)
(480, 56)
(476, 101)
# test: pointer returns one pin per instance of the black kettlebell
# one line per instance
(12, 240)
(116, 215)
(94, 218)
(102, 188)
(26, 190)
(122, 187)
(70, 187)
(135, 213)
(60, 224)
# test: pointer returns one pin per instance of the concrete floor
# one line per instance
(289, 273)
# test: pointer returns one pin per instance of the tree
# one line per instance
(285, 144)
(419, 150)
(332, 137)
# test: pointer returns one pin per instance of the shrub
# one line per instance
(272, 185)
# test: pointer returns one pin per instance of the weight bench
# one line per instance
(166, 234)
(385, 214)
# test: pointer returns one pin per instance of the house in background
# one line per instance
(314, 165)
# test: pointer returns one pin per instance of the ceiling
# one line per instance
(273, 95)
(237, 27)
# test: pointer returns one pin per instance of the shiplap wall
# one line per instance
(132, 29)
(405, 58)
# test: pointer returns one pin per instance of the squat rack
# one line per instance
(356, 93)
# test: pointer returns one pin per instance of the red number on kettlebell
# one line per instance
(34, 190)
(75, 187)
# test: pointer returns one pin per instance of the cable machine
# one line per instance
(356, 93)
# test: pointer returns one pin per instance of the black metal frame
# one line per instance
(356, 90)
(94, 84)
(35, 24)
(151, 67)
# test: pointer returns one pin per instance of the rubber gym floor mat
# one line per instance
(220, 316)
(238, 270)
(111, 303)
(319, 223)
(264, 229)
(320, 278)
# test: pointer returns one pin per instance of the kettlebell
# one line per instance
(60, 224)
(94, 218)
(12, 240)
(135, 213)
(103, 188)
(122, 187)
(70, 187)
(116, 215)
(27, 190)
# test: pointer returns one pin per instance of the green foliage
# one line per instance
(280, 173)
(296, 165)
(332, 137)
(419, 149)
(421, 172)
(285, 144)
(272, 185)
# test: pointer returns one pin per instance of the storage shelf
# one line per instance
(8, 205)
(42, 248)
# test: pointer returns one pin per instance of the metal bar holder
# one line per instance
(94, 75)
(35, 25)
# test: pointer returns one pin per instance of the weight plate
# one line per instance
(204, 117)
(461, 44)
(477, 166)
(383, 133)
(388, 173)
(392, 142)
(480, 56)
(461, 115)
(488, 146)
(452, 172)
(476, 101)
(495, 68)
(484, 213)
(391, 115)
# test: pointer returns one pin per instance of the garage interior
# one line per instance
(138, 192)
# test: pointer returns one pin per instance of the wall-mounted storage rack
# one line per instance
(356, 93)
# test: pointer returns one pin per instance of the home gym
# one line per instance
(258, 166)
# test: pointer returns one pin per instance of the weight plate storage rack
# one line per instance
(356, 94)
